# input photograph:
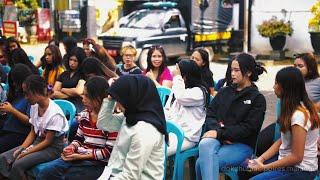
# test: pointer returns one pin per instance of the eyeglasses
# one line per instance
(128, 55)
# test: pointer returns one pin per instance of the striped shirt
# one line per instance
(90, 139)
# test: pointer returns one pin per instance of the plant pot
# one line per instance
(277, 43)
(315, 42)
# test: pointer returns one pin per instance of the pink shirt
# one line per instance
(166, 75)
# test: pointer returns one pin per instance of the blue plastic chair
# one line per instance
(31, 58)
(67, 108)
(185, 155)
(164, 94)
(6, 69)
(5, 86)
(175, 129)
(40, 70)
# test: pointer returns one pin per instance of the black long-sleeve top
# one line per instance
(237, 116)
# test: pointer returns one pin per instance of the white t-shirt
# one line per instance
(53, 119)
(310, 160)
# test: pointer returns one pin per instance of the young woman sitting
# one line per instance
(45, 140)
(187, 104)
(233, 120)
(139, 149)
(299, 126)
(89, 152)
(157, 69)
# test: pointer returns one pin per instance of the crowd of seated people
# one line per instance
(120, 127)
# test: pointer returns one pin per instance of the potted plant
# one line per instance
(314, 27)
(276, 30)
(27, 15)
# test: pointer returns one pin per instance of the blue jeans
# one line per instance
(60, 169)
(214, 156)
(284, 175)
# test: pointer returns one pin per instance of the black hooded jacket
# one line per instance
(237, 116)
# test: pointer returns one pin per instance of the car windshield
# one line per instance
(150, 19)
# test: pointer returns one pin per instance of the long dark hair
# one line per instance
(102, 54)
(192, 74)
(92, 65)
(97, 90)
(17, 75)
(36, 85)
(20, 56)
(311, 63)
(56, 60)
(247, 64)
(205, 69)
(79, 53)
(164, 60)
(293, 92)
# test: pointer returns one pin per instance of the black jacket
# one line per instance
(237, 116)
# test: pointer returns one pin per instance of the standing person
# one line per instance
(139, 149)
(201, 57)
(52, 67)
(128, 54)
(45, 139)
(299, 126)
(307, 64)
(187, 104)
(233, 120)
(70, 83)
(157, 69)
(16, 124)
(89, 152)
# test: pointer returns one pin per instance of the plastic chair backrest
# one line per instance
(6, 69)
(5, 86)
(67, 107)
(164, 94)
(277, 133)
(175, 129)
(40, 71)
(31, 58)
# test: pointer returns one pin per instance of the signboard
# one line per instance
(43, 26)
(10, 28)
(10, 13)
(69, 21)
(8, 2)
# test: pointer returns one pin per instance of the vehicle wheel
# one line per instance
(142, 61)
(211, 53)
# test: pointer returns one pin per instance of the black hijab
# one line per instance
(139, 96)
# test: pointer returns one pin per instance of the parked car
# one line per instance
(177, 27)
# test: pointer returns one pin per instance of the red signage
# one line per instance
(8, 2)
(10, 28)
(43, 26)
